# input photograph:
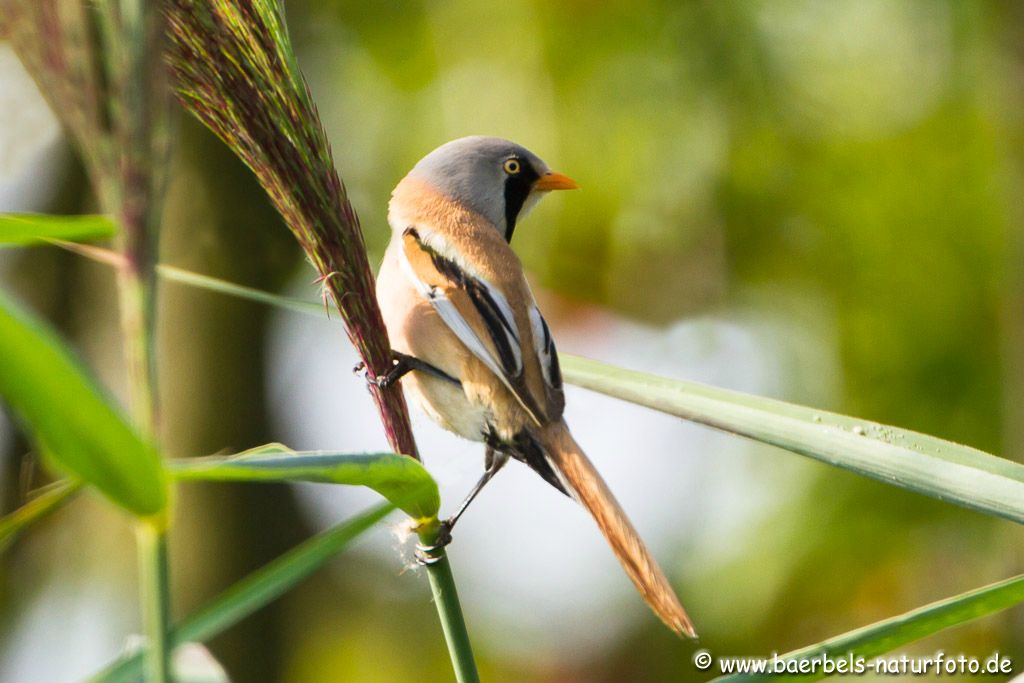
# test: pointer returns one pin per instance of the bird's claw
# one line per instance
(427, 555)
(381, 382)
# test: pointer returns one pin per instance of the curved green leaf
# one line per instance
(29, 228)
(926, 464)
(400, 479)
(885, 636)
(76, 426)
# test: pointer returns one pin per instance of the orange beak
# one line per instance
(554, 181)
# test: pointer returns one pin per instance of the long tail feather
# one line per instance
(572, 465)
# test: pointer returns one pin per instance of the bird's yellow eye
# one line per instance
(512, 166)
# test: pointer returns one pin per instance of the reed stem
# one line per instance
(153, 583)
(449, 610)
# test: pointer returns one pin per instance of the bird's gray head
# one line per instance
(496, 178)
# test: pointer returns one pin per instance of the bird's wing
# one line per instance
(481, 317)
(547, 356)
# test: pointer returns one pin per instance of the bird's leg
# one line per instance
(494, 460)
(402, 364)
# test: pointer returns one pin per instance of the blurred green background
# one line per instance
(821, 201)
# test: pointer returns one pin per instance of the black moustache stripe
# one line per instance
(517, 189)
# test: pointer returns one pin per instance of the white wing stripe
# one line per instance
(454, 320)
(425, 290)
(544, 345)
(537, 327)
(508, 317)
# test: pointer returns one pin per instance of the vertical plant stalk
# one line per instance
(132, 34)
(442, 585)
(235, 70)
(136, 42)
(449, 610)
(153, 581)
(100, 64)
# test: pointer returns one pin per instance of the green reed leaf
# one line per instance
(76, 426)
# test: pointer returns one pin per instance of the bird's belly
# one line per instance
(447, 404)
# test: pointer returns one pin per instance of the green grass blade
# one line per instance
(50, 499)
(925, 464)
(885, 636)
(403, 481)
(922, 463)
(31, 228)
(255, 591)
(212, 284)
(77, 428)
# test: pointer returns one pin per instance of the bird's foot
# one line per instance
(427, 555)
(361, 369)
(401, 365)
(388, 378)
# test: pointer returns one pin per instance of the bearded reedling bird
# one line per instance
(473, 348)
